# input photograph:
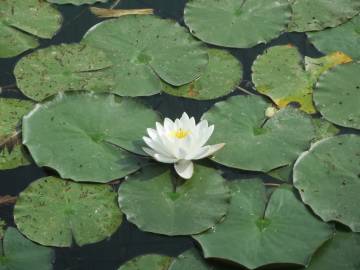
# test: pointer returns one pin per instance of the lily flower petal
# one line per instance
(184, 168)
(208, 151)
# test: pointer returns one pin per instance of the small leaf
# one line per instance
(112, 13)
(148, 262)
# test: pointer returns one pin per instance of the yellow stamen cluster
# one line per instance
(180, 133)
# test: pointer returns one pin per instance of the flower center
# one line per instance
(180, 133)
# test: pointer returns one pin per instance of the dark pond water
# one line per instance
(128, 242)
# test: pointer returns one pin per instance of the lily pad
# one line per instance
(337, 95)
(145, 50)
(253, 142)
(330, 169)
(150, 202)
(345, 38)
(323, 129)
(237, 24)
(191, 259)
(13, 158)
(258, 232)
(76, 2)
(22, 21)
(341, 252)
(67, 211)
(309, 15)
(12, 154)
(62, 68)
(148, 262)
(17, 252)
(223, 73)
(80, 130)
(282, 74)
(11, 112)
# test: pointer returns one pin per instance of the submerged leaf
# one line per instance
(145, 50)
(330, 169)
(112, 13)
(67, 211)
(63, 67)
(22, 21)
(258, 232)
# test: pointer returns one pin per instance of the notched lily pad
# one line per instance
(221, 76)
(341, 252)
(148, 262)
(345, 38)
(309, 15)
(67, 211)
(191, 259)
(258, 231)
(63, 67)
(337, 95)
(253, 142)
(145, 50)
(285, 76)
(150, 201)
(81, 129)
(330, 169)
(235, 23)
(22, 21)
(18, 252)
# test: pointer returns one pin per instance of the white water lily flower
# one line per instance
(180, 142)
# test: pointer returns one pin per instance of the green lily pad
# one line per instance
(149, 201)
(327, 177)
(79, 129)
(12, 154)
(76, 2)
(337, 95)
(256, 232)
(345, 38)
(252, 143)
(13, 158)
(237, 24)
(17, 253)
(191, 259)
(282, 74)
(223, 73)
(22, 21)
(67, 211)
(11, 112)
(63, 67)
(341, 252)
(148, 262)
(309, 15)
(323, 129)
(145, 50)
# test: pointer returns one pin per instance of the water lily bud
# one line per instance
(270, 112)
